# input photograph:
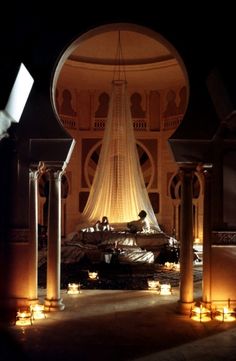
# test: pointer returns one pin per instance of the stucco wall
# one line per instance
(223, 273)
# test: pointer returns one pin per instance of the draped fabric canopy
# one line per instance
(118, 190)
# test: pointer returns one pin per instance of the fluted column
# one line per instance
(186, 240)
(206, 284)
(33, 234)
(53, 301)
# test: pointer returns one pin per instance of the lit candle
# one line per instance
(165, 289)
(93, 275)
(23, 318)
(200, 314)
(73, 288)
(37, 312)
(153, 284)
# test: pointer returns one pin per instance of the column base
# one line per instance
(185, 307)
(33, 301)
(206, 304)
(54, 304)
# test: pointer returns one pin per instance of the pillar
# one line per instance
(53, 301)
(206, 282)
(33, 234)
(186, 240)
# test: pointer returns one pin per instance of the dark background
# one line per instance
(37, 35)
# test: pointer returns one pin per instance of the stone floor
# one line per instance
(119, 325)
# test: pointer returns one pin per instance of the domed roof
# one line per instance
(150, 61)
(136, 48)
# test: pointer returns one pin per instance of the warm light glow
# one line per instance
(93, 275)
(153, 285)
(37, 312)
(165, 289)
(73, 289)
(23, 318)
(197, 240)
(169, 265)
(118, 189)
(173, 266)
(200, 314)
(225, 314)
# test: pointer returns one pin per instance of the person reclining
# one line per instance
(139, 225)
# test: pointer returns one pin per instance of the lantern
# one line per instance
(165, 289)
(93, 275)
(225, 314)
(200, 313)
(153, 285)
(37, 311)
(73, 288)
(24, 317)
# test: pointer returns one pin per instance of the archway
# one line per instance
(197, 199)
(154, 69)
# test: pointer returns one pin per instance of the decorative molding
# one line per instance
(223, 238)
(150, 64)
(19, 235)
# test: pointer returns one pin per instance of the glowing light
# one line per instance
(200, 314)
(23, 318)
(73, 288)
(225, 314)
(93, 275)
(169, 265)
(37, 312)
(165, 289)
(153, 285)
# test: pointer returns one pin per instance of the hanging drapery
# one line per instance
(118, 190)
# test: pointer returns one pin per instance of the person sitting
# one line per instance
(105, 226)
(139, 225)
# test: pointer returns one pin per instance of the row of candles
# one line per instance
(27, 315)
(36, 312)
(201, 313)
(197, 313)
(163, 289)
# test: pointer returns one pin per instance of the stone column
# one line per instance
(186, 240)
(206, 284)
(33, 234)
(53, 301)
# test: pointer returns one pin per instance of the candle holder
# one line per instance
(153, 285)
(200, 313)
(225, 314)
(165, 289)
(24, 317)
(73, 288)
(93, 275)
(37, 312)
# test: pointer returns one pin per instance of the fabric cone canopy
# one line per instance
(118, 190)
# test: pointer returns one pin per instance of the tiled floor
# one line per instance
(120, 325)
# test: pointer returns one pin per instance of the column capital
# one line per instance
(186, 171)
(55, 173)
(205, 168)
